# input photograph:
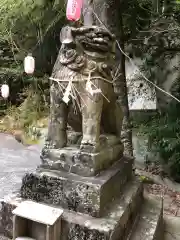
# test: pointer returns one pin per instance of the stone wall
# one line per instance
(141, 94)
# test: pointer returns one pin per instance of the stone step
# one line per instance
(73, 160)
(117, 219)
(149, 223)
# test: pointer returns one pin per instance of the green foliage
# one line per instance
(163, 132)
(33, 108)
(155, 38)
(28, 26)
(23, 23)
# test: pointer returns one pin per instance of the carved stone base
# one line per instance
(73, 160)
(115, 223)
(89, 195)
(129, 217)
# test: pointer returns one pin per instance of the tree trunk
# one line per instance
(121, 90)
(157, 6)
(109, 13)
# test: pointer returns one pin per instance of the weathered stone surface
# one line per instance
(88, 195)
(7, 205)
(141, 95)
(150, 224)
(75, 160)
(15, 160)
(117, 218)
(140, 144)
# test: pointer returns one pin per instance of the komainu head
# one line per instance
(79, 43)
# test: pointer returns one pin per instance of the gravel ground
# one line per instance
(15, 160)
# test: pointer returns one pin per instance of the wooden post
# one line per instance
(48, 232)
(14, 227)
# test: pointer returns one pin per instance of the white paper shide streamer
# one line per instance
(89, 88)
(67, 93)
(29, 64)
(5, 91)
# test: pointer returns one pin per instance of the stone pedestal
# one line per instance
(109, 206)
(128, 216)
(100, 196)
(89, 195)
(72, 159)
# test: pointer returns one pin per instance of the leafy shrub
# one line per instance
(163, 132)
(28, 27)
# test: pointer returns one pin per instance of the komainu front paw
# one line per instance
(89, 146)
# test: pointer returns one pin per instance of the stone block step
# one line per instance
(88, 195)
(117, 219)
(149, 224)
(84, 162)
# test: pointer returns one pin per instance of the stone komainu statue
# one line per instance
(82, 95)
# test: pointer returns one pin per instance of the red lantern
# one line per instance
(73, 11)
